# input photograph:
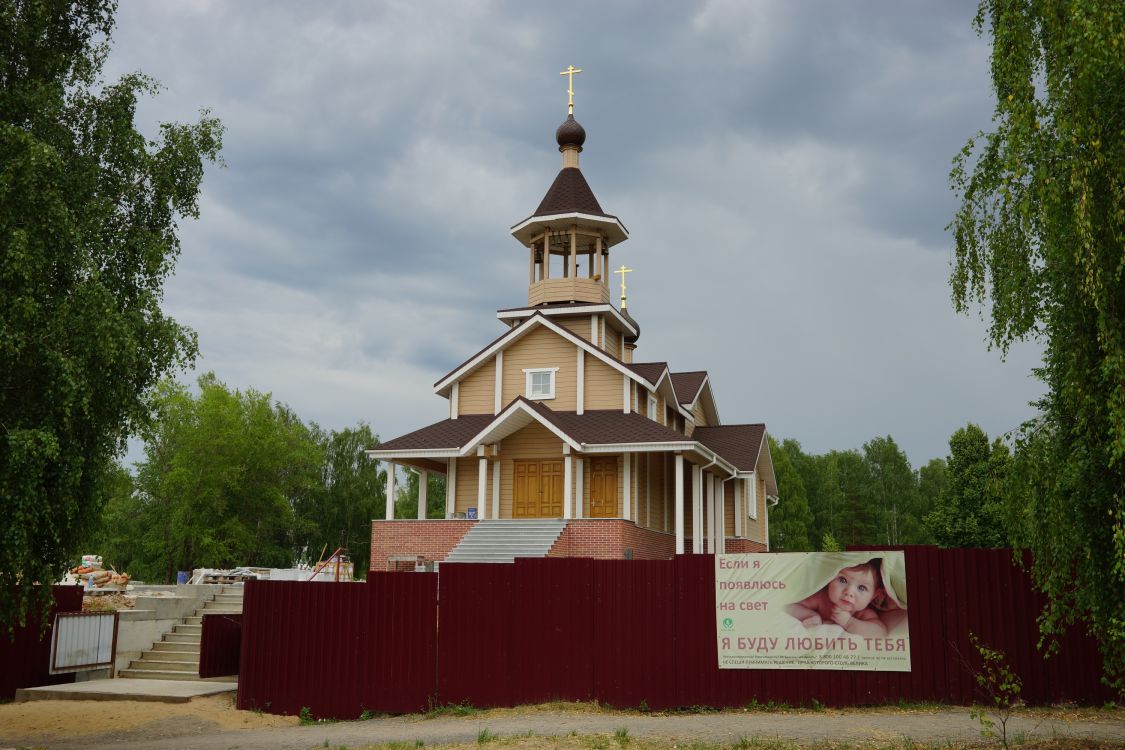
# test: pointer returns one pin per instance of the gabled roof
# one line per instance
(569, 192)
(741, 444)
(513, 334)
(448, 434)
(650, 371)
(688, 385)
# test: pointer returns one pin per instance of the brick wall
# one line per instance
(431, 539)
(744, 545)
(608, 538)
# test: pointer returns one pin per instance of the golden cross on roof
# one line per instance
(569, 72)
(623, 270)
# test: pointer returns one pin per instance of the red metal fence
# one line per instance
(220, 645)
(26, 653)
(626, 633)
(339, 648)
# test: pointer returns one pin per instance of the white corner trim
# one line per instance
(580, 399)
(454, 405)
(499, 387)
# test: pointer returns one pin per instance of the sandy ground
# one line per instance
(212, 723)
(39, 722)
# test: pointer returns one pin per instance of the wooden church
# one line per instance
(559, 442)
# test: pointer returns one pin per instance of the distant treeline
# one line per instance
(874, 497)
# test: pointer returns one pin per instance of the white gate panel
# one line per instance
(83, 640)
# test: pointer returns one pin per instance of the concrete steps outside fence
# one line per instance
(501, 541)
(176, 655)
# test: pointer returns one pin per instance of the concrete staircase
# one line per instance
(176, 656)
(502, 541)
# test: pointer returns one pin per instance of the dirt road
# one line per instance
(213, 724)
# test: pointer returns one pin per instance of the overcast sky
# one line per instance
(781, 167)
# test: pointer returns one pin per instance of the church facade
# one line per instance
(557, 420)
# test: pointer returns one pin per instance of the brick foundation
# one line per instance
(745, 545)
(609, 538)
(432, 539)
(603, 538)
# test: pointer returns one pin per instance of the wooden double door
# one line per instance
(537, 489)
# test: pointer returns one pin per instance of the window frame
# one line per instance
(529, 372)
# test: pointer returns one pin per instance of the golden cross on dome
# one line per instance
(623, 270)
(569, 72)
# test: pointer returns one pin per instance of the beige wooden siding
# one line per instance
(603, 385)
(580, 326)
(532, 442)
(541, 348)
(698, 414)
(477, 391)
(612, 342)
(466, 484)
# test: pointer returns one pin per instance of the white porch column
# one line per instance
(679, 487)
(627, 486)
(482, 483)
(568, 483)
(423, 487)
(495, 489)
(710, 482)
(451, 488)
(697, 509)
(390, 490)
(580, 487)
(738, 511)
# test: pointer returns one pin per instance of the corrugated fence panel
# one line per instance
(634, 632)
(476, 621)
(220, 645)
(339, 648)
(552, 627)
(27, 656)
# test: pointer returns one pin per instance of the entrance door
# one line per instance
(603, 488)
(537, 489)
(525, 489)
(551, 489)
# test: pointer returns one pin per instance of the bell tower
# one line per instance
(569, 236)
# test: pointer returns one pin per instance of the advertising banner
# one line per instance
(812, 610)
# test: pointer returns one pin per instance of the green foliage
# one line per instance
(968, 511)
(828, 543)
(485, 736)
(222, 473)
(791, 520)
(406, 505)
(1040, 240)
(894, 492)
(622, 736)
(305, 715)
(350, 492)
(1001, 688)
(88, 225)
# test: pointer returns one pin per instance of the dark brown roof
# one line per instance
(687, 385)
(446, 434)
(569, 192)
(609, 426)
(650, 371)
(737, 443)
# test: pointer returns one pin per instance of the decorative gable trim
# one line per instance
(513, 335)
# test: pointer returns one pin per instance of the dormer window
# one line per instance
(540, 383)
(652, 407)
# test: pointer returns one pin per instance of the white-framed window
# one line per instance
(540, 383)
(652, 414)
